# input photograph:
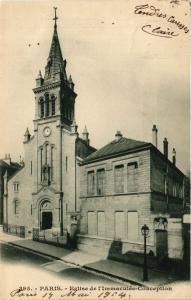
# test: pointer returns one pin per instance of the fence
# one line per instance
(50, 237)
(14, 230)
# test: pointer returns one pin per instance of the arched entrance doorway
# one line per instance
(45, 215)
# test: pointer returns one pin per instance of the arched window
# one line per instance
(53, 105)
(41, 151)
(41, 107)
(47, 112)
(52, 162)
(46, 153)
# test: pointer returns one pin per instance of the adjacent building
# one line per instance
(7, 169)
(125, 185)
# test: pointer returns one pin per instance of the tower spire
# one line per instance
(55, 68)
(55, 18)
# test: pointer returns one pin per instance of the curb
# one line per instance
(86, 268)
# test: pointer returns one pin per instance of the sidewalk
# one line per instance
(114, 269)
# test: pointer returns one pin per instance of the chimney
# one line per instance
(155, 136)
(7, 158)
(118, 135)
(165, 147)
(85, 135)
(174, 156)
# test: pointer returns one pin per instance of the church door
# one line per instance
(46, 220)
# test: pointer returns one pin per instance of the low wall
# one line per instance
(109, 247)
(175, 238)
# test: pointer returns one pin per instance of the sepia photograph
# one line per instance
(95, 149)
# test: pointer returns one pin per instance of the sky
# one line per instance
(125, 79)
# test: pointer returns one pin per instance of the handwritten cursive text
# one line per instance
(152, 11)
(158, 31)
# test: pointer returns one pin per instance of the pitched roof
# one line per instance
(11, 168)
(83, 149)
(115, 147)
(11, 165)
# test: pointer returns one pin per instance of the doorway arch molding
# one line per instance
(44, 207)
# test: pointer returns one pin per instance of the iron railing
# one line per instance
(14, 229)
(50, 237)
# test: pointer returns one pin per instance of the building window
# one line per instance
(101, 182)
(31, 209)
(174, 190)
(16, 187)
(90, 183)
(170, 185)
(132, 225)
(41, 108)
(101, 223)
(46, 173)
(47, 108)
(53, 105)
(31, 167)
(16, 207)
(132, 177)
(92, 223)
(46, 153)
(41, 163)
(165, 185)
(119, 179)
(133, 165)
(119, 225)
(52, 162)
(180, 193)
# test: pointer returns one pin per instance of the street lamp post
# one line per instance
(145, 233)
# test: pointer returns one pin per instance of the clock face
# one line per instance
(47, 131)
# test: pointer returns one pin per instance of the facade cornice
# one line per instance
(53, 85)
(47, 87)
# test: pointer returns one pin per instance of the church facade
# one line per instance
(110, 193)
(42, 193)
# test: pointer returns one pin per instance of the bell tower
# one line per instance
(54, 141)
(54, 114)
(54, 93)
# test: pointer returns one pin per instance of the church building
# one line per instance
(109, 194)
(45, 190)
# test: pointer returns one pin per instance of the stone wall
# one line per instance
(118, 206)
(166, 185)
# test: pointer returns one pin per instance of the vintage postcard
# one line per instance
(94, 156)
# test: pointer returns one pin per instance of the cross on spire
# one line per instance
(55, 17)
